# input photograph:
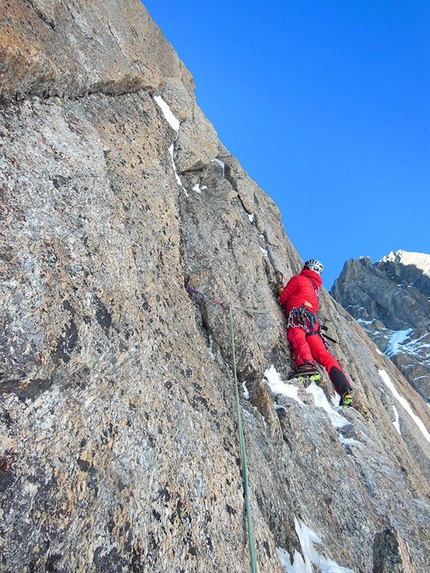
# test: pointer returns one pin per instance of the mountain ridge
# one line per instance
(390, 299)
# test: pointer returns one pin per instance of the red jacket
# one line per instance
(302, 290)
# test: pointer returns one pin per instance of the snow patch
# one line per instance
(321, 401)
(396, 420)
(387, 381)
(174, 123)
(211, 347)
(419, 260)
(265, 253)
(168, 114)
(349, 441)
(279, 387)
(215, 160)
(308, 539)
(417, 345)
(178, 179)
(397, 338)
(245, 391)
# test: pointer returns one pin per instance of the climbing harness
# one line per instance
(301, 317)
(316, 289)
(304, 318)
(228, 306)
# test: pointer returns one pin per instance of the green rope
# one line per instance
(252, 553)
(256, 311)
(228, 306)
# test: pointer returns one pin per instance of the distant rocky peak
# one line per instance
(420, 260)
(390, 299)
(410, 268)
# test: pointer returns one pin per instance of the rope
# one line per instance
(229, 305)
(252, 553)
(244, 466)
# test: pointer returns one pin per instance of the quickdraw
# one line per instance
(224, 305)
(280, 279)
(301, 317)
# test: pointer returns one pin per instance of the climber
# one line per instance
(299, 297)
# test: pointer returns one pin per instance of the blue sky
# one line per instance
(326, 104)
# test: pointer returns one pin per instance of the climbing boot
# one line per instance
(346, 400)
(306, 372)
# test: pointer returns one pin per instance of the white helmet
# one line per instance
(314, 265)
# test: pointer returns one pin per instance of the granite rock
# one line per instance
(119, 446)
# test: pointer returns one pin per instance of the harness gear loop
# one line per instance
(302, 317)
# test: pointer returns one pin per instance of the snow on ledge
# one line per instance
(279, 387)
(174, 123)
(168, 114)
(321, 401)
(308, 539)
(397, 339)
(388, 382)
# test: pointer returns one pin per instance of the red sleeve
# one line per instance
(291, 287)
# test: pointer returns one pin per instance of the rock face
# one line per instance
(119, 449)
(391, 301)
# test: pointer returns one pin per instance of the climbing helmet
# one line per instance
(314, 265)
